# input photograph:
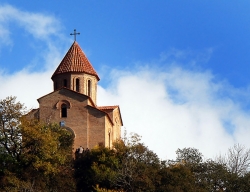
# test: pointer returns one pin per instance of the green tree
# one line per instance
(46, 154)
(243, 183)
(237, 162)
(96, 169)
(177, 177)
(211, 176)
(138, 166)
(189, 156)
(11, 113)
(130, 166)
(33, 155)
(208, 175)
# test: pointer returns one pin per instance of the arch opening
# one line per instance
(64, 110)
(77, 88)
(89, 88)
(65, 83)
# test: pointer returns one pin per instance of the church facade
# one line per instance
(72, 104)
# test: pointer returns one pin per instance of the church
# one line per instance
(72, 104)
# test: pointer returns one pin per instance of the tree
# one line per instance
(211, 176)
(33, 155)
(208, 175)
(244, 183)
(130, 166)
(138, 170)
(177, 177)
(237, 160)
(95, 169)
(11, 113)
(46, 154)
(188, 156)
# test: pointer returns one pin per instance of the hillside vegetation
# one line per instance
(37, 157)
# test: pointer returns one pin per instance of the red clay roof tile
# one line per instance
(107, 107)
(75, 61)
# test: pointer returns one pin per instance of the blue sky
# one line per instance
(178, 69)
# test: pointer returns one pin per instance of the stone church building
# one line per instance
(72, 104)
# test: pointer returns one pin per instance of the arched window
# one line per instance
(77, 85)
(65, 82)
(63, 110)
(89, 88)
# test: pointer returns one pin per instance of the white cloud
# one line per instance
(178, 108)
(26, 86)
(36, 24)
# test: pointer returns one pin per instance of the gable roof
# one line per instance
(64, 88)
(75, 61)
(107, 109)
(91, 101)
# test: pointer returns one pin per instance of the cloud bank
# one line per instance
(179, 108)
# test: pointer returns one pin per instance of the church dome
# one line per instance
(75, 61)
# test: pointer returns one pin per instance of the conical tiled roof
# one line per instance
(75, 61)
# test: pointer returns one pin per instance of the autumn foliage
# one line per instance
(38, 157)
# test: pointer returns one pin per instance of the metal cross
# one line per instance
(75, 33)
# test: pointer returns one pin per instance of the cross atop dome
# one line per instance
(75, 33)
